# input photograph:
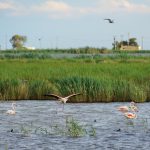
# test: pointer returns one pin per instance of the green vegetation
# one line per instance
(18, 41)
(86, 52)
(71, 127)
(99, 79)
(132, 42)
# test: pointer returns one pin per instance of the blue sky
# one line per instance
(74, 23)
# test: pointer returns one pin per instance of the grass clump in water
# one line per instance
(74, 129)
(71, 128)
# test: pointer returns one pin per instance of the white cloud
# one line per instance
(53, 8)
(6, 5)
(109, 6)
(60, 9)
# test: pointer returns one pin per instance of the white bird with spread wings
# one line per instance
(62, 99)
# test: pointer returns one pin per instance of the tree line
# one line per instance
(18, 42)
(131, 42)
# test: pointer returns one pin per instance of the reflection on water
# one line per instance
(113, 130)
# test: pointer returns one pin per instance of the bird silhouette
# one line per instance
(110, 20)
(62, 99)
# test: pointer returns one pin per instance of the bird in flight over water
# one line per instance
(110, 20)
(62, 99)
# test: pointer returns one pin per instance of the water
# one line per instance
(113, 130)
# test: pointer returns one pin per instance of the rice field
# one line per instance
(99, 79)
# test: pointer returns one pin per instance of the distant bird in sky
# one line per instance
(62, 99)
(110, 20)
(13, 110)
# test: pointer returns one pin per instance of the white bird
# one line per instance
(13, 110)
(62, 99)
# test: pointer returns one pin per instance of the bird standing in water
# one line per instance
(124, 109)
(130, 115)
(13, 110)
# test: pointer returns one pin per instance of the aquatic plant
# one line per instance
(25, 130)
(6, 146)
(74, 129)
(92, 132)
(71, 128)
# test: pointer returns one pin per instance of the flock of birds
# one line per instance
(128, 111)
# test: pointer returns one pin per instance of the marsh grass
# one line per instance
(25, 130)
(71, 128)
(98, 82)
(6, 146)
(74, 129)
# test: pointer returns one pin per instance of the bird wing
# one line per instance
(107, 19)
(73, 95)
(110, 20)
(53, 95)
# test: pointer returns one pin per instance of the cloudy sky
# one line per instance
(74, 23)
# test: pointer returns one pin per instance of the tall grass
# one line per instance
(98, 81)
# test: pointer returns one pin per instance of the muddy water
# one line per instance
(31, 127)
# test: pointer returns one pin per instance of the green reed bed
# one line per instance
(86, 52)
(99, 80)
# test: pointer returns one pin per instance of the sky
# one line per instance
(74, 23)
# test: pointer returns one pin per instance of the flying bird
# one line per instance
(13, 110)
(62, 99)
(110, 20)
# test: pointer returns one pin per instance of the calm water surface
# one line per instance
(113, 130)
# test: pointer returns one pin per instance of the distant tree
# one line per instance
(125, 43)
(132, 42)
(18, 41)
(117, 45)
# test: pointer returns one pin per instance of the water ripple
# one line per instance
(34, 120)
